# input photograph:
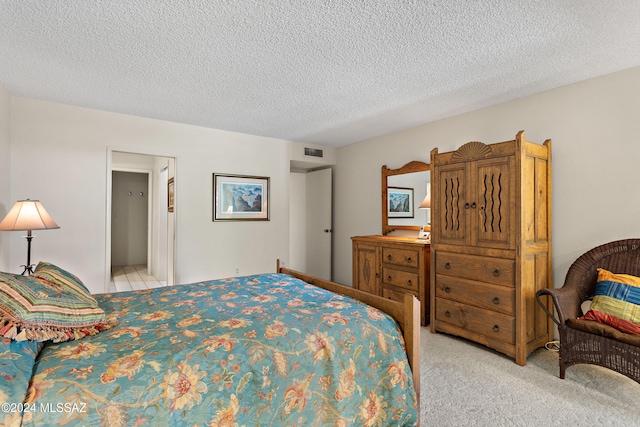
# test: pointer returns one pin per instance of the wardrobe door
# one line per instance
(492, 203)
(453, 212)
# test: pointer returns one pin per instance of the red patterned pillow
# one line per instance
(616, 322)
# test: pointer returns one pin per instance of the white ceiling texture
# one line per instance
(329, 72)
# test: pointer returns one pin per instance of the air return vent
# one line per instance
(313, 152)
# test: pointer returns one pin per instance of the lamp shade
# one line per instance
(426, 203)
(27, 215)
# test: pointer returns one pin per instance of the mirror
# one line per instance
(403, 191)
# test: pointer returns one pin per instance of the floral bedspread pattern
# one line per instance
(266, 350)
(16, 364)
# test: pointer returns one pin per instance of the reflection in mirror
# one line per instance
(419, 184)
(403, 192)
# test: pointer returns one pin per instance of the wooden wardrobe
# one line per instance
(491, 243)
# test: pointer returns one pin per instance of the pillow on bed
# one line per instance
(616, 301)
(65, 280)
(40, 310)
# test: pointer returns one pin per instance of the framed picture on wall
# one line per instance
(240, 198)
(170, 194)
(400, 202)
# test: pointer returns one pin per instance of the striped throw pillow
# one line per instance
(617, 295)
(40, 310)
(66, 281)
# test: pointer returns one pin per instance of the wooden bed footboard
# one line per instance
(407, 315)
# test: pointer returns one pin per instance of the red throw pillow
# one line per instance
(620, 324)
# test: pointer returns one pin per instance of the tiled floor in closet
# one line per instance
(132, 278)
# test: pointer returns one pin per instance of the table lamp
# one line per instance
(426, 204)
(27, 215)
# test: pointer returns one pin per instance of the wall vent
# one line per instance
(313, 152)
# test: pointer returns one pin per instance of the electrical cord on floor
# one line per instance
(553, 346)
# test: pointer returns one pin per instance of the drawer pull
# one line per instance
(496, 300)
(409, 283)
(409, 259)
(389, 257)
(447, 289)
(389, 278)
(496, 272)
(447, 265)
(466, 205)
(473, 205)
(447, 314)
(496, 328)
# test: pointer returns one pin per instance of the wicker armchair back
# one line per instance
(578, 346)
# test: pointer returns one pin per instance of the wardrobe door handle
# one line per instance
(466, 205)
(473, 205)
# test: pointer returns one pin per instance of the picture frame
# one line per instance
(170, 194)
(240, 197)
(400, 202)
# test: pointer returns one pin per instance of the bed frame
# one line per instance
(407, 314)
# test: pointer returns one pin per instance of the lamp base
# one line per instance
(28, 268)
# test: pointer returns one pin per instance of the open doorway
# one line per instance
(310, 233)
(129, 218)
(141, 227)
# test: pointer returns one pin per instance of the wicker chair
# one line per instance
(580, 342)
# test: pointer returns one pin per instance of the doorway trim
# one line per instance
(109, 188)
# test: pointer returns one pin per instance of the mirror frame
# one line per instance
(411, 167)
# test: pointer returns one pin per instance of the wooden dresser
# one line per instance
(491, 244)
(390, 266)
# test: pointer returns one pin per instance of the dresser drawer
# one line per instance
(400, 257)
(493, 325)
(490, 297)
(404, 279)
(395, 294)
(498, 271)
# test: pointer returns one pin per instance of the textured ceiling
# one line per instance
(316, 71)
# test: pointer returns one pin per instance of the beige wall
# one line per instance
(5, 173)
(59, 155)
(595, 129)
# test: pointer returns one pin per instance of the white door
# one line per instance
(319, 232)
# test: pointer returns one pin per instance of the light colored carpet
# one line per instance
(466, 384)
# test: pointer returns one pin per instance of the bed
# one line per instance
(279, 349)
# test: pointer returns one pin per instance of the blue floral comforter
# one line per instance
(266, 350)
